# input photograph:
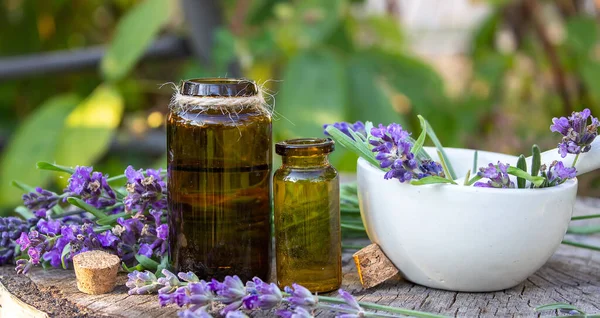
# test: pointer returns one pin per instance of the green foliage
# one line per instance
(521, 164)
(134, 34)
(36, 139)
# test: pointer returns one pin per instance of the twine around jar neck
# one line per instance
(186, 103)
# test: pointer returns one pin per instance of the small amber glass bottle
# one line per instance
(219, 168)
(307, 216)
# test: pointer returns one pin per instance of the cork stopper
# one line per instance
(373, 266)
(96, 271)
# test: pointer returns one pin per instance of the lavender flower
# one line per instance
(11, 229)
(557, 173)
(430, 168)
(170, 282)
(578, 133)
(198, 313)
(142, 283)
(91, 186)
(300, 296)
(40, 201)
(358, 127)
(393, 151)
(145, 191)
(498, 176)
(236, 314)
(262, 295)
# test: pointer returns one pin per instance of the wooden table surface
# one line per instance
(572, 275)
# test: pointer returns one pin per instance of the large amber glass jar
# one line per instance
(307, 216)
(219, 167)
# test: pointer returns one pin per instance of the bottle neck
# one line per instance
(317, 161)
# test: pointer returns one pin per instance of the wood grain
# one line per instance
(572, 275)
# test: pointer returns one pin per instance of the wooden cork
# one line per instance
(96, 271)
(373, 266)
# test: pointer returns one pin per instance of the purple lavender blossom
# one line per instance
(91, 186)
(142, 283)
(393, 151)
(40, 201)
(49, 227)
(12, 229)
(145, 191)
(300, 296)
(23, 266)
(262, 295)
(357, 127)
(578, 134)
(236, 314)
(557, 173)
(198, 313)
(498, 176)
(430, 168)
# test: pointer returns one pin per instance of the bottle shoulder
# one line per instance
(292, 174)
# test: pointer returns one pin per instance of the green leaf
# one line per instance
(35, 139)
(134, 33)
(24, 212)
(467, 177)
(431, 180)
(110, 219)
(66, 250)
(555, 306)
(42, 165)
(536, 160)
(84, 206)
(89, 129)
(440, 148)
(352, 145)
(584, 230)
(147, 263)
(164, 264)
(473, 180)
(22, 186)
(475, 160)
(444, 166)
(352, 227)
(537, 181)
(521, 164)
(418, 145)
(313, 93)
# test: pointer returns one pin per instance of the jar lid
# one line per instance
(231, 87)
(305, 147)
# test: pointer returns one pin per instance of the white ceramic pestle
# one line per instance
(587, 162)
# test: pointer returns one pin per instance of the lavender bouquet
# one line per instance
(89, 214)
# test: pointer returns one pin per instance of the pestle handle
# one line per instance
(587, 162)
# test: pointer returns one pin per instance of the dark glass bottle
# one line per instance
(219, 168)
(307, 216)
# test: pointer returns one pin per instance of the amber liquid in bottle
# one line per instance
(307, 220)
(219, 168)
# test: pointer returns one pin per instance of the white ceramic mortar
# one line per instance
(466, 238)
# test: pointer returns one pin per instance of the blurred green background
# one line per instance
(81, 81)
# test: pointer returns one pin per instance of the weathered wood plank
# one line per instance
(572, 275)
